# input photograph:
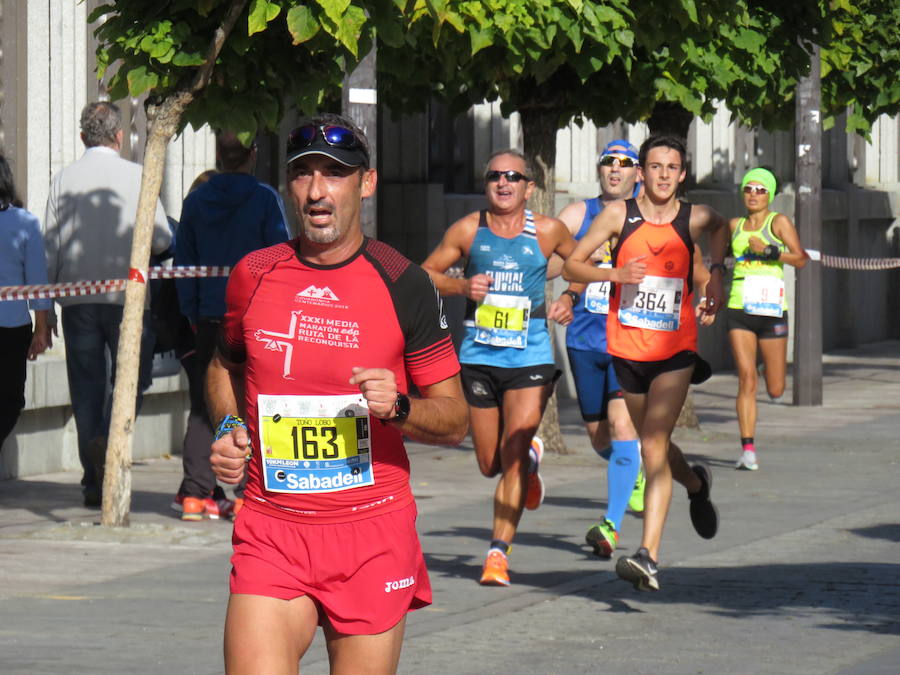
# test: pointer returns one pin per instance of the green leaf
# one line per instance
(140, 80)
(480, 39)
(261, 13)
(301, 24)
(749, 40)
(691, 9)
(185, 59)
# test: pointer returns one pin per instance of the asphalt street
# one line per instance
(803, 577)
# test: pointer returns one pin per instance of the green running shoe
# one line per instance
(603, 538)
(636, 501)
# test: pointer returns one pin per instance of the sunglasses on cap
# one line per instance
(625, 161)
(755, 190)
(510, 176)
(333, 135)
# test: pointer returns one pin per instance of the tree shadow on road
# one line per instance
(887, 531)
(836, 596)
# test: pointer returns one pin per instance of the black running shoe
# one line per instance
(640, 569)
(704, 515)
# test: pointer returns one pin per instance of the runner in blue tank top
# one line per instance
(507, 365)
(599, 395)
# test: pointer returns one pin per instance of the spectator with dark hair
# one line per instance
(223, 219)
(22, 261)
(91, 214)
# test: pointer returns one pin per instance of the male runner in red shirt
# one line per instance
(321, 339)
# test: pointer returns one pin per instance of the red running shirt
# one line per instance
(668, 249)
(299, 328)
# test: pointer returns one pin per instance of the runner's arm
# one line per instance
(439, 417)
(704, 218)
(560, 310)
(784, 229)
(604, 227)
(224, 391)
(454, 245)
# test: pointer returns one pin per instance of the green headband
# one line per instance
(762, 176)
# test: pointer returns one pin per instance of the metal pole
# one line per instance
(808, 179)
(359, 101)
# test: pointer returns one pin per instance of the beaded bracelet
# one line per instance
(228, 423)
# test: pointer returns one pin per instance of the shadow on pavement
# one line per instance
(55, 501)
(887, 531)
(840, 596)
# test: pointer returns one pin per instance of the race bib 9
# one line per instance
(763, 295)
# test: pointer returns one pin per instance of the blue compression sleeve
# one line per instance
(624, 464)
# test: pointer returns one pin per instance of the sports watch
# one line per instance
(401, 408)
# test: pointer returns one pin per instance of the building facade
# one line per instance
(430, 169)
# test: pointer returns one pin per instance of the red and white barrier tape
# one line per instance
(76, 288)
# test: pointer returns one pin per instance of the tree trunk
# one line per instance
(162, 121)
(539, 127)
(162, 124)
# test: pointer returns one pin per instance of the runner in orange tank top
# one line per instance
(652, 332)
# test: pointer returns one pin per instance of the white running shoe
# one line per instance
(747, 462)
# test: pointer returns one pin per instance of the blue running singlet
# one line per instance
(587, 332)
(508, 329)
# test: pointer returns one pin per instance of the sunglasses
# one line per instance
(510, 176)
(335, 136)
(624, 161)
(755, 190)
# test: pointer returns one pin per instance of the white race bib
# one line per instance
(654, 304)
(596, 295)
(763, 295)
(312, 444)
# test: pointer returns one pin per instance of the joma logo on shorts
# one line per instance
(397, 585)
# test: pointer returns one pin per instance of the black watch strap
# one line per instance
(572, 294)
(401, 407)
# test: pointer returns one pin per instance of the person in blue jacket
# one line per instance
(22, 261)
(222, 220)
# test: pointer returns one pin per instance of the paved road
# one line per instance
(804, 576)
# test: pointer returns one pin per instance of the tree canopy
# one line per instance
(282, 53)
(616, 59)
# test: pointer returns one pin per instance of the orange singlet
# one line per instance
(654, 320)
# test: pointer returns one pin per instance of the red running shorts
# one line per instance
(364, 575)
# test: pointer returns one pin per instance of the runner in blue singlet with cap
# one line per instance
(599, 396)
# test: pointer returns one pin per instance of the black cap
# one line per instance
(355, 155)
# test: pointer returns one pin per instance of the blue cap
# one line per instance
(629, 151)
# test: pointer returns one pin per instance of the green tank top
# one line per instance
(746, 263)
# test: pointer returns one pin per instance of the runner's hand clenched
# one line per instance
(229, 456)
(379, 387)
